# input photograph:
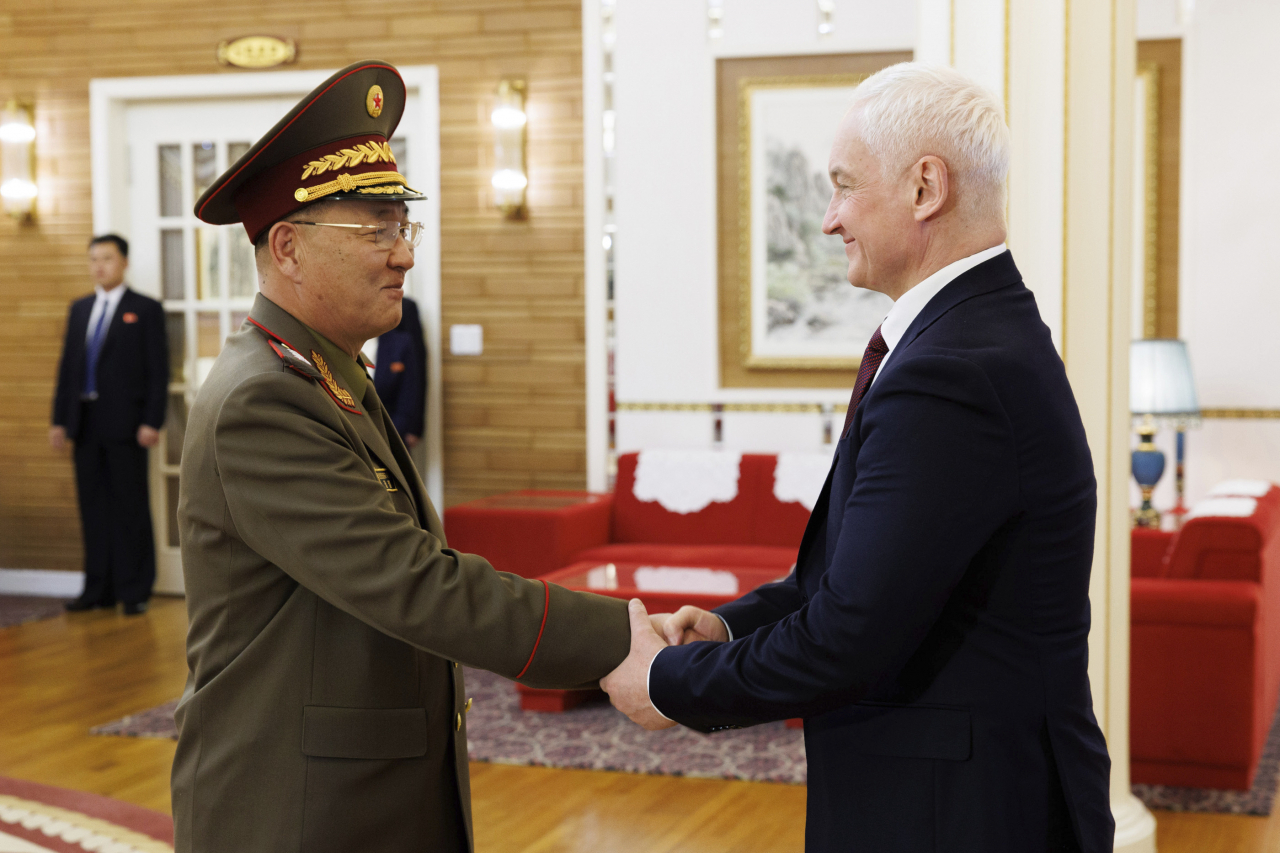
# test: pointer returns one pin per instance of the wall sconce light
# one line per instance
(826, 17)
(510, 176)
(18, 159)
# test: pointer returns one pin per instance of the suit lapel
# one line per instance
(817, 521)
(987, 276)
(405, 465)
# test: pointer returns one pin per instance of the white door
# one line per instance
(205, 275)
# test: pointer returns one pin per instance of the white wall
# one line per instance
(665, 289)
(1229, 300)
(665, 248)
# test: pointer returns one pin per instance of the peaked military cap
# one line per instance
(331, 145)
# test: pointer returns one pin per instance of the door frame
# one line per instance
(109, 100)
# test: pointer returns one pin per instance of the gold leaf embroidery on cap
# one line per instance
(332, 383)
(394, 189)
(345, 158)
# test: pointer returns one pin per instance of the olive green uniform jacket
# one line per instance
(324, 710)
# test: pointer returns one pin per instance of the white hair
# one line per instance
(910, 109)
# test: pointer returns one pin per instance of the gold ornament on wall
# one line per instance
(257, 52)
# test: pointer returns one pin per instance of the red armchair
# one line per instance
(1205, 645)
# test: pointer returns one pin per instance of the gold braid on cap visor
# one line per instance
(369, 182)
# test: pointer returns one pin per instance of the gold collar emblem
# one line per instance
(373, 101)
(325, 373)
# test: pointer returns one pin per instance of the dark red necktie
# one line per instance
(871, 358)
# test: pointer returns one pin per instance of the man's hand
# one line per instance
(57, 438)
(628, 685)
(148, 436)
(690, 624)
(410, 440)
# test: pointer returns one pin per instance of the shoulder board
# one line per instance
(294, 359)
(317, 370)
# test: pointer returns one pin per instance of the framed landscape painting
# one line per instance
(788, 314)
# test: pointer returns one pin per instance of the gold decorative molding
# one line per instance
(769, 408)
(1241, 414)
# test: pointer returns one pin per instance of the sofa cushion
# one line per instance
(665, 554)
(1227, 546)
(1221, 604)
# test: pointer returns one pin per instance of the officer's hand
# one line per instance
(628, 685)
(57, 438)
(410, 440)
(690, 624)
(148, 436)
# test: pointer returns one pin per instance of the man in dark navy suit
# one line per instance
(110, 402)
(400, 373)
(934, 633)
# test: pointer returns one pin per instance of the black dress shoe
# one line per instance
(135, 609)
(82, 603)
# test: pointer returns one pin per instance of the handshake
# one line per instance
(628, 685)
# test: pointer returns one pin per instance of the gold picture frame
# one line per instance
(743, 361)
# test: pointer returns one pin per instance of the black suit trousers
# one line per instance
(115, 515)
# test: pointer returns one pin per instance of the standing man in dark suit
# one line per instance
(110, 403)
(400, 373)
(934, 633)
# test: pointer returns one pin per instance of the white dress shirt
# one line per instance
(104, 301)
(900, 317)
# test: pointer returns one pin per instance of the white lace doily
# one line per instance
(799, 477)
(685, 481)
(1241, 488)
(1224, 508)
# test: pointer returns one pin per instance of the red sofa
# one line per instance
(1205, 646)
(532, 533)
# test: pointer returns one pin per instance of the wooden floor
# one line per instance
(61, 676)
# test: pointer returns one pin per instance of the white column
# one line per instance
(1065, 70)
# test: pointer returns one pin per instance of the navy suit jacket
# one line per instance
(133, 369)
(401, 375)
(934, 633)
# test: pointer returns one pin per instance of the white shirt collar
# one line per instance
(910, 304)
(111, 296)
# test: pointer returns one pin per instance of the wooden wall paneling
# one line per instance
(513, 416)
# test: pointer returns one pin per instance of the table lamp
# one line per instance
(1161, 392)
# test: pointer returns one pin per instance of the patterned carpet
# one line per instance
(18, 609)
(43, 819)
(595, 736)
(592, 736)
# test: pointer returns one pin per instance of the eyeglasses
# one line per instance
(384, 237)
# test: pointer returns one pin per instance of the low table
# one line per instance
(663, 589)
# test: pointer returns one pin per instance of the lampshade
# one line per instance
(1160, 379)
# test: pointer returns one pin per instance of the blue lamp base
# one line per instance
(1148, 466)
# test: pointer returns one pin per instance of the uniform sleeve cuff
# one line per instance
(727, 629)
(647, 677)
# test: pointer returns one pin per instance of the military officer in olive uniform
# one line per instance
(325, 709)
